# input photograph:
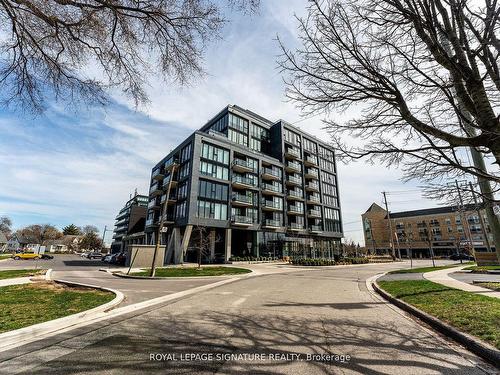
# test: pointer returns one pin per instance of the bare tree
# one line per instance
(5, 225)
(424, 77)
(40, 232)
(203, 242)
(86, 229)
(53, 45)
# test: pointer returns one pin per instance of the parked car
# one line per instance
(26, 256)
(461, 256)
(47, 256)
(107, 258)
(118, 259)
(94, 255)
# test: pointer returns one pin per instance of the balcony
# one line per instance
(293, 166)
(171, 199)
(166, 182)
(311, 173)
(243, 182)
(155, 189)
(270, 174)
(311, 160)
(150, 222)
(295, 226)
(311, 198)
(242, 200)
(242, 220)
(311, 186)
(292, 153)
(269, 223)
(294, 195)
(315, 228)
(168, 219)
(271, 189)
(293, 180)
(240, 165)
(293, 210)
(153, 204)
(170, 164)
(157, 174)
(271, 205)
(314, 213)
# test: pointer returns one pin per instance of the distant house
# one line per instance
(64, 244)
(3, 242)
(20, 242)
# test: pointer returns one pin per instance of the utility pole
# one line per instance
(104, 235)
(390, 227)
(467, 232)
(481, 221)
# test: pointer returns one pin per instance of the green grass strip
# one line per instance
(472, 313)
(9, 274)
(193, 271)
(430, 269)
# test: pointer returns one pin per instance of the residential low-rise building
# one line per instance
(20, 242)
(129, 224)
(446, 230)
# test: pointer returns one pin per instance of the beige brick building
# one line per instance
(445, 229)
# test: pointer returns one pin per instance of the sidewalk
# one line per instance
(442, 277)
(15, 281)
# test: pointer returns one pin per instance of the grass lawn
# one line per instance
(9, 274)
(471, 313)
(193, 271)
(28, 304)
(493, 286)
(483, 269)
(429, 269)
(5, 256)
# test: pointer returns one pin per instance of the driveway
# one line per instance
(283, 316)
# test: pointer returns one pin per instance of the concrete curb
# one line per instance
(473, 344)
(104, 315)
(22, 336)
(48, 274)
(125, 276)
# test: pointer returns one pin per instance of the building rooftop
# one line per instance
(430, 211)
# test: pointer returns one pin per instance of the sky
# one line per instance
(80, 165)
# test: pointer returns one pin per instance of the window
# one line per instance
(186, 153)
(255, 144)
(184, 171)
(212, 210)
(258, 132)
(238, 137)
(310, 146)
(217, 154)
(213, 170)
(213, 190)
(180, 211)
(238, 123)
(332, 220)
(182, 190)
(291, 137)
(220, 125)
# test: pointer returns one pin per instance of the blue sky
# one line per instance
(80, 165)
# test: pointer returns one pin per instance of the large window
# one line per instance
(180, 211)
(186, 153)
(213, 190)
(220, 125)
(217, 154)
(212, 210)
(238, 137)
(184, 171)
(332, 220)
(214, 170)
(310, 146)
(291, 137)
(182, 190)
(238, 123)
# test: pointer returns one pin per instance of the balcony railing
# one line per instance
(272, 223)
(242, 219)
(152, 203)
(243, 180)
(296, 226)
(291, 151)
(311, 173)
(157, 173)
(294, 180)
(315, 228)
(311, 160)
(272, 204)
(313, 198)
(295, 209)
(312, 186)
(270, 187)
(242, 198)
(243, 164)
(296, 194)
(149, 222)
(171, 163)
(293, 165)
(155, 188)
(314, 213)
(271, 172)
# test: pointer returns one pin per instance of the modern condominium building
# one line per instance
(251, 186)
(129, 223)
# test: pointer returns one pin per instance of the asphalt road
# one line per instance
(272, 321)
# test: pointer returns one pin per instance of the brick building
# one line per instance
(445, 229)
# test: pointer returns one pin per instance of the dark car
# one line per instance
(118, 259)
(47, 256)
(461, 256)
(94, 255)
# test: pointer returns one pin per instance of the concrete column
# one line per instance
(212, 244)
(228, 244)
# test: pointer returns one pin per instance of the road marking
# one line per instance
(239, 301)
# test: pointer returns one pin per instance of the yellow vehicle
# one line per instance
(26, 256)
